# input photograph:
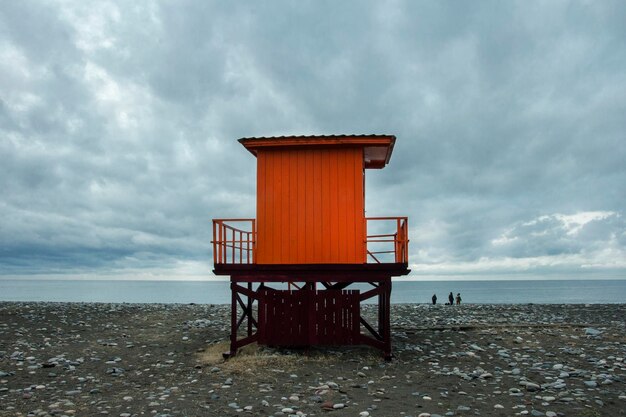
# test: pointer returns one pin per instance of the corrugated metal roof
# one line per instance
(377, 148)
(321, 136)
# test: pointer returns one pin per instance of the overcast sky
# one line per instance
(119, 121)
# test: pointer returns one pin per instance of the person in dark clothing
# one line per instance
(434, 299)
(451, 298)
(458, 298)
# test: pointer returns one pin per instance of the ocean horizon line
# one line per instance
(64, 277)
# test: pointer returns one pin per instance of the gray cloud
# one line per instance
(118, 125)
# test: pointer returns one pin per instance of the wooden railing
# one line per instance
(234, 245)
(234, 240)
(391, 244)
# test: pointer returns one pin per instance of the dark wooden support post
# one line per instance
(386, 334)
(311, 313)
(250, 301)
(233, 320)
(381, 310)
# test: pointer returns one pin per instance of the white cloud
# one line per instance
(575, 222)
(504, 239)
(93, 24)
(533, 243)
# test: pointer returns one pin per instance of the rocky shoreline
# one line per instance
(79, 359)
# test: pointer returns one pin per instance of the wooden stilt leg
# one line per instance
(381, 311)
(233, 321)
(249, 311)
(387, 320)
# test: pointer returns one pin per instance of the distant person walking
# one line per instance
(451, 298)
(458, 298)
(434, 299)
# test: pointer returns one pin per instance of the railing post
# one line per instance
(253, 241)
(396, 243)
(240, 246)
(219, 247)
(364, 239)
(401, 241)
(214, 244)
(232, 252)
(247, 247)
(405, 257)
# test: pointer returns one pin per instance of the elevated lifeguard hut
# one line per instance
(291, 268)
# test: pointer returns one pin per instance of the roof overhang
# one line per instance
(377, 149)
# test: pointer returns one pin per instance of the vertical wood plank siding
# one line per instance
(310, 206)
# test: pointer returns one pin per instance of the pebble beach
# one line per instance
(88, 359)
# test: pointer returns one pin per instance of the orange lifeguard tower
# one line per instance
(311, 235)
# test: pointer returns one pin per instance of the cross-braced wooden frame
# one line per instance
(308, 312)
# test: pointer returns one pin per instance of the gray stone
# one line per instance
(115, 371)
(590, 331)
(531, 386)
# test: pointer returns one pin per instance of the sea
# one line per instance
(594, 291)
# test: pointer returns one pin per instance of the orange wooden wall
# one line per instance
(310, 206)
